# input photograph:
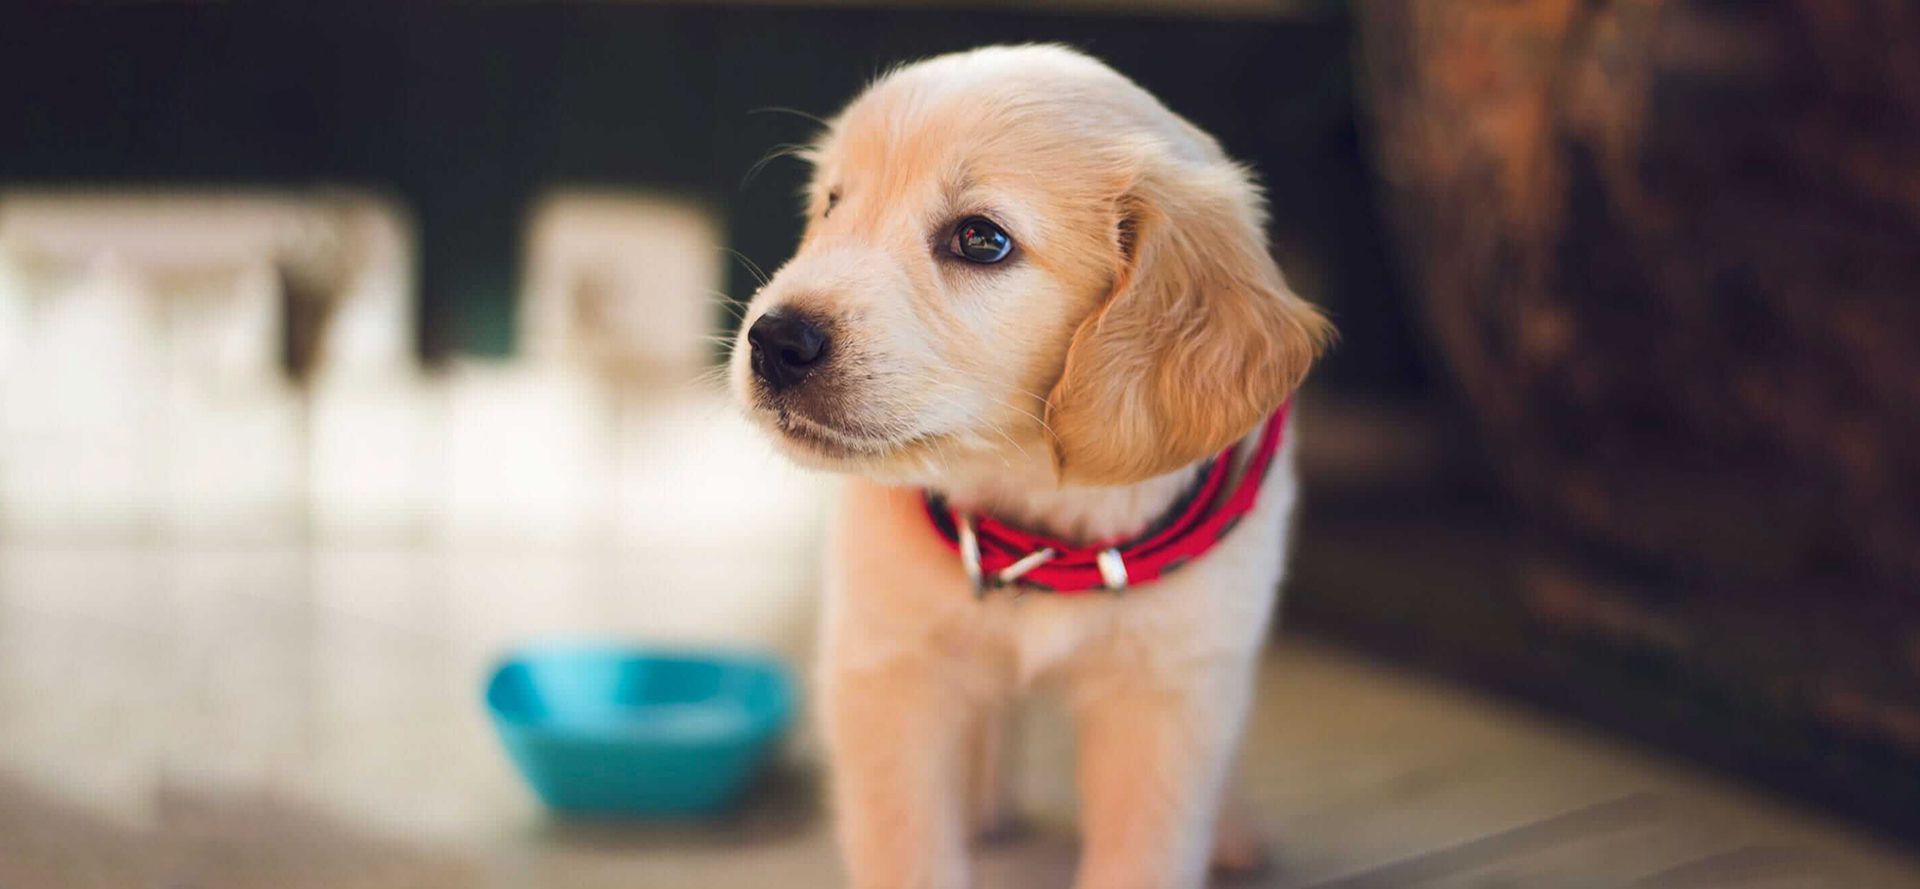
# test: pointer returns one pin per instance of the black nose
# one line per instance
(786, 347)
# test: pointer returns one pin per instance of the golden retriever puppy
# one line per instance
(1034, 321)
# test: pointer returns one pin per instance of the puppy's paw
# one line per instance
(1002, 829)
(1240, 852)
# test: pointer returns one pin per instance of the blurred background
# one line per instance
(344, 346)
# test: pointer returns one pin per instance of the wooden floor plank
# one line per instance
(219, 720)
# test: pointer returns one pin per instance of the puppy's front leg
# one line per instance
(897, 736)
(1153, 761)
(990, 807)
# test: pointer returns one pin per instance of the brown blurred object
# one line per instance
(1670, 252)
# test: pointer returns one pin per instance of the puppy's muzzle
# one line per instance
(786, 347)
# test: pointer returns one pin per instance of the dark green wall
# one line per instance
(467, 112)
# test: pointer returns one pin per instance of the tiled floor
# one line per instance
(310, 718)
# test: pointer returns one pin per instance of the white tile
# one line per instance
(695, 474)
(376, 446)
(529, 455)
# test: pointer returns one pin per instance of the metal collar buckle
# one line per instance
(1113, 569)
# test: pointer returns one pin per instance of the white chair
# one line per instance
(378, 424)
(147, 384)
(623, 283)
(82, 404)
(617, 296)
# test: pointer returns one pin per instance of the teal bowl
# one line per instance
(605, 730)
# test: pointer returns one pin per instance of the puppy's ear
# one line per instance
(1198, 341)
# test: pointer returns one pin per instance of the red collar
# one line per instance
(996, 554)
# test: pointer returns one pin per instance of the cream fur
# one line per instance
(1139, 328)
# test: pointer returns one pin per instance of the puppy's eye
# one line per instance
(979, 240)
(833, 199)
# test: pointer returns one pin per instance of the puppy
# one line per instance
(1030, 298)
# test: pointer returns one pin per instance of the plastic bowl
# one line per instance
(621, 731)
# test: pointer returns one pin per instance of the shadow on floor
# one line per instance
(783, 805)
(206, 840)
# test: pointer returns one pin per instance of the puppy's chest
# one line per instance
(1038, 636)
(1042, 637)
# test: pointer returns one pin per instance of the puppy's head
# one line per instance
(1015, 256)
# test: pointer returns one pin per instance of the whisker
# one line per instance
(737, 310)
(1013, 407)
(773, 154)
(752, 267)
(992, 426)
(778, 109)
